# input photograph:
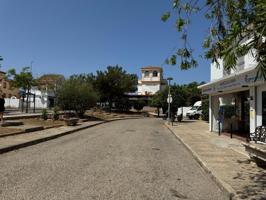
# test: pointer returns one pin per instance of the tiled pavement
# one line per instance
(224, 158)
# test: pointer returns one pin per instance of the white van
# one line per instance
(195, 112)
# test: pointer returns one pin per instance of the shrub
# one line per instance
(123, 104)
(44, 114)
(76, 95)
(56, 113)
(139, 104)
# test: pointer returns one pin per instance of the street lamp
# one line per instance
(169, 99)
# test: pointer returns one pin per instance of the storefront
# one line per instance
(237, 103)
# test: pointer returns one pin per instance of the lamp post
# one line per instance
(169, 99)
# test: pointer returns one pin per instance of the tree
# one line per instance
(193, 93)
(139, 105)
(159, 100)
(88, 78)
(23, 80)
(231, 22)
(205, 108)
(113, 83)
(180, 96)
(183, 95)
(76, 94)
(1, 59)
(123, 104)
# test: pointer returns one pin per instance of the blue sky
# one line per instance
(82, 36)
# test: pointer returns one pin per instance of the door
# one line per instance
(264, 108)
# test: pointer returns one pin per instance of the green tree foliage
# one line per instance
(76, 94)
(193, 93)
(1, 59)
(180, 96)
(231, 22)
(23, 80)
(159, 100)
(205, 109)
(123, 104)
(113, 83)
(88, 78)
(139, 105)
(183, 95)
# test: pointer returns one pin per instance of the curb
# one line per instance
(221, 184)
(40, 140)
(26, 131)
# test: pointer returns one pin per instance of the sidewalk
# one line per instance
(224, 158)
(18, 141)
(13, 142)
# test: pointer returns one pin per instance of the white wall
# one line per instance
(260, 89)
(12, 102)
(150, 77)
(149, 88)
(252, 110)
(216, 71)
(245, 62)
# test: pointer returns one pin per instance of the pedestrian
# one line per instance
(2, 108)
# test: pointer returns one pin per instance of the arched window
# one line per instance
(146, 74)
(154, 73)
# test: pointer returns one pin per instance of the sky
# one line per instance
(83, 36)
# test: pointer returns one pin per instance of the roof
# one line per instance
(2, 72)
(152, 67)
(227, 77)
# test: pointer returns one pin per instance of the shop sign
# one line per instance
(233, 83)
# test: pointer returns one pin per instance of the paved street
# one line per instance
(128, 159)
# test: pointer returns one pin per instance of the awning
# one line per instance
(238, 80)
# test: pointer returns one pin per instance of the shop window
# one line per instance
(146, 74)
(264, 108)
(154, 73)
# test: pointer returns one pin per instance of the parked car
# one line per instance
(196, 111)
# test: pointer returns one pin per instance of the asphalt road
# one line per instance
(122, 160)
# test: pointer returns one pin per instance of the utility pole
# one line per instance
(169, 99)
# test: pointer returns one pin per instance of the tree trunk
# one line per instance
(110, 105)
(27, 101)
(158, 112)
(23, 100)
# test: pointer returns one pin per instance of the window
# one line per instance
(154, 73)
(4, 85)
(146, 74)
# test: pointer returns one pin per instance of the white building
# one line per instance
(151, 81)
(236, 98)
(43, 99)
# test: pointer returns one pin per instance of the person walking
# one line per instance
(2, 108)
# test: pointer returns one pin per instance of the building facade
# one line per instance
(237, 97)
(151, 81)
